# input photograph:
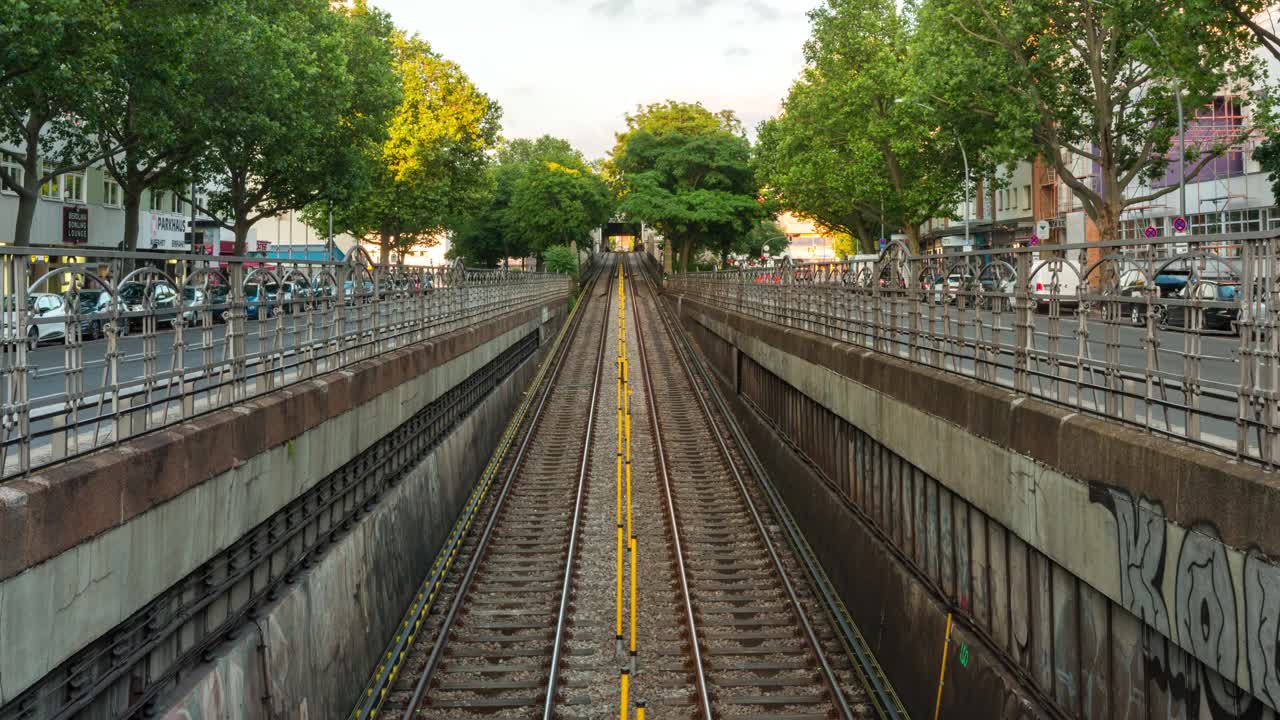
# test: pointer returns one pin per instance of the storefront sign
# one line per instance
(75, 225)
(169, 232)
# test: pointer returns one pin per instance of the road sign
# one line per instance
(1180, 225)
(1033, 241)
(884, 243)
(1152, 232)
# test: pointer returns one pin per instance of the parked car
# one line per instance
(212, 299)
(1167, 284)
(44, 320)
(95, 312)
(1216, 318)
(158, 297)
(1065, 287)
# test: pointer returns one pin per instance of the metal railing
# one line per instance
(1176, 336)
(95, 350)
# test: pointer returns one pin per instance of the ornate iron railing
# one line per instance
(95, 350)
(1176, 335)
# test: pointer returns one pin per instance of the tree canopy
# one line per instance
(430, 170)
(1090, 85)
(687, 171)
(543, 194)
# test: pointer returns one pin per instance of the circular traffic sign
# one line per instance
(1152, 232)
(1180, 224)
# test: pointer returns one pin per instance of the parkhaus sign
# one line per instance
(169, 232)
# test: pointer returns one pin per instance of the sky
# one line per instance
(574, 68)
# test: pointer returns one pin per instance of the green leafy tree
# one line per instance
(1089, 85)
(291, 115)
(852, 149)
(687, 172)
(432, 170)
(543, 193)
(561, 259)
(762, 233)
(845, 246)
(152, 104)
(55, 58)
(557, 204)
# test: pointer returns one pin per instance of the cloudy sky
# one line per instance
(572, 68)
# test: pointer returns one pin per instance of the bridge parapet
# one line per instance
(1179, 337)
(1105, 569)
(104, 348)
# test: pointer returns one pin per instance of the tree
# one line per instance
(531, 181)
(556, 204)
(290, 116)
(854, 148)
(1090, 85)
(151, 104)
(762, 233)
(56, 56)
(561, 259)
(431, 171)
(687, 172)
(845, 246)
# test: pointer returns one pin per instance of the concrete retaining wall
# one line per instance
(310, 654)
(88, 543)
(1095, 571)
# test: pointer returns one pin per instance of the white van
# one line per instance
(1067, 279)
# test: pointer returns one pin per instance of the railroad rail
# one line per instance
(490, 647)
(727, 613)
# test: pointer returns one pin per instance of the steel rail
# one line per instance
(704, 696)
(491, 522)
(828, 673)
(548, 707)
(375, 694)
(885, 698)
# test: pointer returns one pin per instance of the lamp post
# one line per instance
(968, 187)
(1182, 137)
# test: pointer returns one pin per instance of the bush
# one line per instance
(561, 259)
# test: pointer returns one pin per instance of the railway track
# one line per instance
(765, 647)
(734, 618)
(488, 633)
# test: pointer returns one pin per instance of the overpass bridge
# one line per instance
(1042, 489)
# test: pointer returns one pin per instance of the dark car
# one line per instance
(160, 298)
(94, 307)
(1168, 284)
(1217, 318)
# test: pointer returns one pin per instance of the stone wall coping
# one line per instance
(62, 506)
(1193, 484)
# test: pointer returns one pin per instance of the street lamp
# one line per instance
(968, 189)
(1182, 137)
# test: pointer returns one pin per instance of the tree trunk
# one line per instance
(26, 216)
(913, 239)
(384, 247)
(241, 229)
(686, 249)
(132, 209)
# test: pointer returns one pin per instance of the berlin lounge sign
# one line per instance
(75, 225)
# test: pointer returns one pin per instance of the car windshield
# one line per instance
(1228, 293)
(132, 292)
(192, 295)
(251, 291)
(89, 299)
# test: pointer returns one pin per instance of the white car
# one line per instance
(45, 313)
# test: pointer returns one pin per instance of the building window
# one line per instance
(73, 187)
(157, 200)
(51, 189)
(1026, 197)
(175, 203)
(111, 193)
(14, 171)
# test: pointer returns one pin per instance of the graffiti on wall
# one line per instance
(1203, 612)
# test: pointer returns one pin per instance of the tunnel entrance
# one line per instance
(624, 236)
